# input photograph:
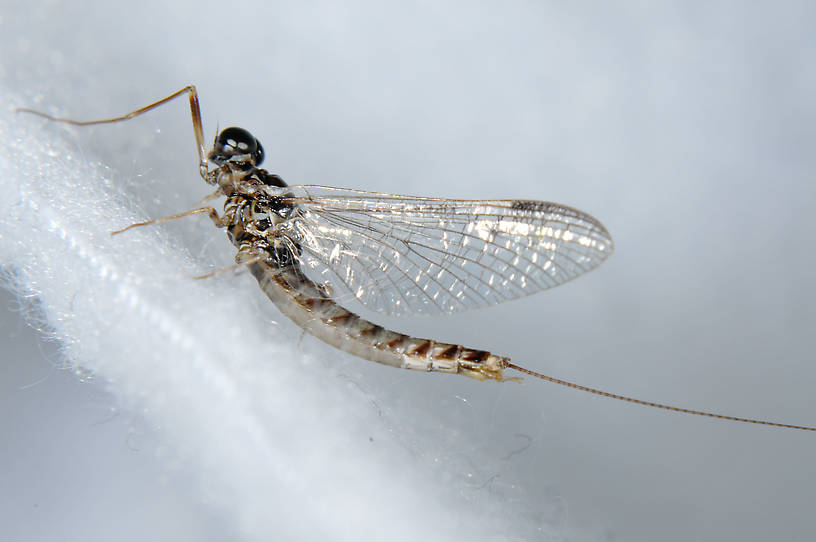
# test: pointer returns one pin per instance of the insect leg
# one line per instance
(233, 267)
(210, 197)
(195, 111)
(217, 220)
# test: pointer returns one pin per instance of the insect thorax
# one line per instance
(256, 212)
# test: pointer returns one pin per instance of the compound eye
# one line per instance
(237, 145)
(258, 155)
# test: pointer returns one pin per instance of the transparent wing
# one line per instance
(408, 255)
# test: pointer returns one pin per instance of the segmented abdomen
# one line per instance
(303, 301)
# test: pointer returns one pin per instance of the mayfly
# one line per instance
(308, 246)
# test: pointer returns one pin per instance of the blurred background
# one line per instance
(688, 129)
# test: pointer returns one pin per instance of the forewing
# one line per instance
(409, 255)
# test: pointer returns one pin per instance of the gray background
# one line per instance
(687, 128)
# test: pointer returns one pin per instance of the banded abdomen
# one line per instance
(308, 306)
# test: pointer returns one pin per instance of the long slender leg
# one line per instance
(203, 201)
(239, 265)
(195, 111)
(217, 220)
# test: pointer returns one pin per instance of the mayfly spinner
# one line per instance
(310, 245)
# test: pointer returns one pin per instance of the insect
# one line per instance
(310, 246)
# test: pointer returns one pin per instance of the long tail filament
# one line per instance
(654, 405)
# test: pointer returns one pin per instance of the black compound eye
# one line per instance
(259, 154)
(237, 145)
